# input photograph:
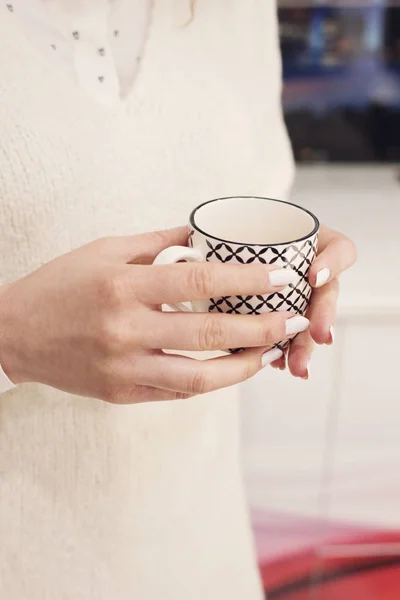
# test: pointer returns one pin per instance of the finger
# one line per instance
(166, 284)
(280, 364)
(193, 377)
(299, 356)
(322, 312)
(139, 249)
(337, 254)
(136, 394)
(218, 331)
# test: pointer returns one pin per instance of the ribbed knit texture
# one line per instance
(99, 502)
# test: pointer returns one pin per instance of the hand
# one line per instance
(90, 322)
(335, 255)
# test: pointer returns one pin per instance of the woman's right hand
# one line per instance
(90, 323)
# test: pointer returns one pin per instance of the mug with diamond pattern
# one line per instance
(245, 230)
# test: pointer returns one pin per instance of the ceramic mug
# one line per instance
(244, 230)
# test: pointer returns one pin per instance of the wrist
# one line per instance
(9, 359)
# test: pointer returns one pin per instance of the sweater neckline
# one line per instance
(101, 42)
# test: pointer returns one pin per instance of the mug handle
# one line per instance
(176, 254)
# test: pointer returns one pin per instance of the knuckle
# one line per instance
(181, 396)
(101, 244)
(159, 238)
(250, 368)
(212, 334)
(202, 280)
(346, 249)
(335, 285)
(110, 290)
(266, 332)
(199, 384)
(163, 235)
(125, 394)
(105, 242)
(266, 336)
(111, 335)
(272, 329)
(113, 395)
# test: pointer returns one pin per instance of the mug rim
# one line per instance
(300, 239)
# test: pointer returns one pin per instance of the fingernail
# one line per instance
(332, 334)
(296, 325)
(282, 277)
(271, 356)
(322, 277)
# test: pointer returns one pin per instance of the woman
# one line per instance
(116, 118)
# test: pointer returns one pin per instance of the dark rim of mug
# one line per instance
(301, 239)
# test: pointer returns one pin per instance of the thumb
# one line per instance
(143, 248)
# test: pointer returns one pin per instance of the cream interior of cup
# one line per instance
(258, 221)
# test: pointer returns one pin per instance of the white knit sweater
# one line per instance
(144, 502)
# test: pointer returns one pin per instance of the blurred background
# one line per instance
(322, 458)
(342, 80)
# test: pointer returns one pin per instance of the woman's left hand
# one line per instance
(335, 255)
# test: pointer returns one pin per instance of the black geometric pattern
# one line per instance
(296, 256)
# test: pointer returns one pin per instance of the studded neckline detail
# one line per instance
(101, 41)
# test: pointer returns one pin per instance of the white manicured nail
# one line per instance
(296, 325)
(282, 277)
(332, 332)
(271, 356)
(322, 277)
